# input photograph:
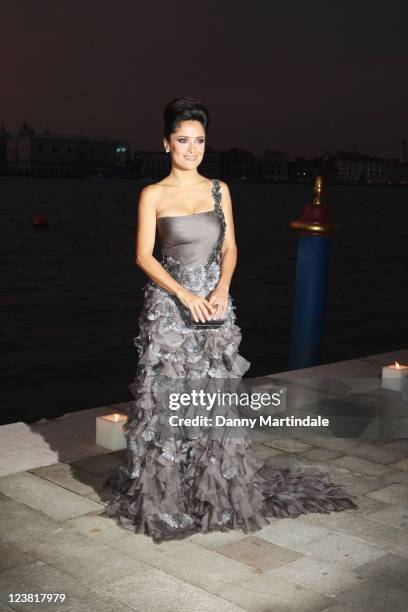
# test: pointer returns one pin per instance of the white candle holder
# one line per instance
(392, 376)
(109, 431)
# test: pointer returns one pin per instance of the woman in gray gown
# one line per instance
(176, 481)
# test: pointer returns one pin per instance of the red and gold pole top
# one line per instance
(315, 220)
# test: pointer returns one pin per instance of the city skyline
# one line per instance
(333, 150)
(301, 78)
(48, 154)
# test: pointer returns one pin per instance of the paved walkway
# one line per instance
(53, 538)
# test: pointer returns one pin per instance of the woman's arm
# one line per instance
(229, 251)
(145, 238)
(229, 255)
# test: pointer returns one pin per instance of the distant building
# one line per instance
(303, 170)
(275, 166)
(349, 167)
(150, 164)
(4, 136)
(239, 164)
(403, 153)
(378, 171)
(49, 154)
(403, 173)
(354, 168)
(211, 166)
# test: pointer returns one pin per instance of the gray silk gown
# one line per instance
(175, 482)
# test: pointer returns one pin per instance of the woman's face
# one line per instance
(187, 144)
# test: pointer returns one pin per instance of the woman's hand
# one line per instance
(218, 298)
(200, 307)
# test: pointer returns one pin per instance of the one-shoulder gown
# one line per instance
(171, 486)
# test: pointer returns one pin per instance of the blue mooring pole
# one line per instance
(315, 237)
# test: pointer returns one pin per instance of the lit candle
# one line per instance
(109, 431)
(392, 376)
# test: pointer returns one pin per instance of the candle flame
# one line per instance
(115, 417)
(397, 365)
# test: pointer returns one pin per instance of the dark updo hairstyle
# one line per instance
(184, 109)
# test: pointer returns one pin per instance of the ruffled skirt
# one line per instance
(175, 483)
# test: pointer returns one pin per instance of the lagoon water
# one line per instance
(71, 294)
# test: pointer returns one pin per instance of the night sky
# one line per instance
(300, 76)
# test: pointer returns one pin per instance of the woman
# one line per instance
(177, 481)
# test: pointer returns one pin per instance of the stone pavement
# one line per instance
(53, 538)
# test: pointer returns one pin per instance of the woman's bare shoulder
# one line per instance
(151, 193)
(225, 192)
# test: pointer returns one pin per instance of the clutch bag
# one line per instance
(210, 324)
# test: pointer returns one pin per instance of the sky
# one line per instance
(296, 76)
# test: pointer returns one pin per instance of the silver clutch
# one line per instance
(210, 324)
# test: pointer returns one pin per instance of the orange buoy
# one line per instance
(40, 221)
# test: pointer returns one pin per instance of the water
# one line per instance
(71, 294)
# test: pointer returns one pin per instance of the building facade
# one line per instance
(239, 164)
(4, 136)
(211, 166)
(49, 154)
(150, 164)
(275, 166)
